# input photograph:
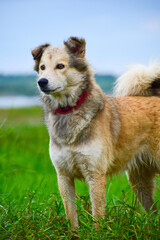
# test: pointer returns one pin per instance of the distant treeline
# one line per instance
(26, 84)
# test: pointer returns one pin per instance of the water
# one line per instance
(19, 101)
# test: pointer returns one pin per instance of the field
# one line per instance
(30, 204)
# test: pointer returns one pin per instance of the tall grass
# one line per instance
(30, 203)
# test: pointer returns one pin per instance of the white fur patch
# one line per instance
(71, 158)
(137, 80)
(92, 150)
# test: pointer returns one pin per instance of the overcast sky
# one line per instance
(117, 32)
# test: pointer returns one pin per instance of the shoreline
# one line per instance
(7, 102)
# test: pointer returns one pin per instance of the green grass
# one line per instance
(30, 204)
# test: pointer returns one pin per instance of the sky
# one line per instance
(117, 32)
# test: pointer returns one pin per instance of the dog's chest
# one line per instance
(77, 161)
(68, 129)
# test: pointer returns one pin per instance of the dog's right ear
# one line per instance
(37, 54)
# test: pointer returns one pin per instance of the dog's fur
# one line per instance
(104, 134)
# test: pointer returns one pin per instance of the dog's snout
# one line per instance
(42, 82)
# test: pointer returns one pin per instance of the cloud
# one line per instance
(153, 25)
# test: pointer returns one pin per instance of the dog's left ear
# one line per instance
(76, 46)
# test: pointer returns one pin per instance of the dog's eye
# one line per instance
(42, 67)
(60, 66)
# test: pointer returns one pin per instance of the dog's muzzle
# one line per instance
(43, 84)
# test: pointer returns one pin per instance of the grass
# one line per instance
(30, 204)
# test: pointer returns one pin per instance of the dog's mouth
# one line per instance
(48, 91)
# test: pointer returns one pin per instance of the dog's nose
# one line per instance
(42, 82)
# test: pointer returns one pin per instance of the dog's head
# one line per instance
(61, 70)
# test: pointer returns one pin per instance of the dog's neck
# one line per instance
(68, 109)
(68, 128)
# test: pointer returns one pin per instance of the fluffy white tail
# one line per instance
(139, 80)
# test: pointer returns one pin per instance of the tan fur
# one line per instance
(103, 136)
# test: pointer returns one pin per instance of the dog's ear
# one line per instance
(76, 46)
(37, 53)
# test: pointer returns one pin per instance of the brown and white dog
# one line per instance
(93, 135)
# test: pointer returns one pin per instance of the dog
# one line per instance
(93, 135)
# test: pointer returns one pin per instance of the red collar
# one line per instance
(69, 109)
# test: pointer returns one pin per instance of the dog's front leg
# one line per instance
(67, 191)
(97, 187)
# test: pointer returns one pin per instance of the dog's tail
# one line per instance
(139, 80)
